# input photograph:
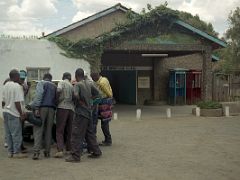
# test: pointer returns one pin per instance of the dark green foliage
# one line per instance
(197, 22)
(87, 49)
(233, 34)
(231, 54)
(209, 105)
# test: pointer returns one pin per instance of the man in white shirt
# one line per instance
(12, 99)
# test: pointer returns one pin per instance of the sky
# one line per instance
(32, 17)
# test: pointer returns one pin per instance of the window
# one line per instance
(36, 73)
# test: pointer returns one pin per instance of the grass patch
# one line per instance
(209, 105)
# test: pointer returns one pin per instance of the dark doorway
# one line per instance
(123, 85)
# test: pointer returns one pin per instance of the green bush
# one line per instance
(209, 105)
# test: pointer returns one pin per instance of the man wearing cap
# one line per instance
(23, 76)
(65, 113)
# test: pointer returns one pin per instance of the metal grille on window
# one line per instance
(36, 73)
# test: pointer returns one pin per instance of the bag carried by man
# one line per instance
(31, 118)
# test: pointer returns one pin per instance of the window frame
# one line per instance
(38, 69)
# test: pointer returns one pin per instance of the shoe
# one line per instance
(94, 155)
(104, 143)
(59, 154)
(46, 154)
(19, 156)
(72, 160)
(35, 156)
(5, 145)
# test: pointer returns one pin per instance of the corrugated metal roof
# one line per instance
(118, 6)
(201, 33)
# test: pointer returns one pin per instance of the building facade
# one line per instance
(138, 67)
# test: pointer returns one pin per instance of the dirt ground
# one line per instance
(182, 148)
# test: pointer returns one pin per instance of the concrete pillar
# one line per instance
(156, 79)
(207, 74)
(160, 80)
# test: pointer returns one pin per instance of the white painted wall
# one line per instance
(22, 53)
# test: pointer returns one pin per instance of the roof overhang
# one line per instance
(203, 34)
(215, 42)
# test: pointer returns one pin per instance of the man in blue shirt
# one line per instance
(44, 105)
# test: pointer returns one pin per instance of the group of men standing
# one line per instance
(78, 107)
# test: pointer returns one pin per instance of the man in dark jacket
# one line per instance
(44, 104)
(82, 126)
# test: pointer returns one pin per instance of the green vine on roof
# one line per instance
(161, 18)
(87, 49)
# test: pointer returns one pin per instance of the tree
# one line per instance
(197, 22)
(233, 34)
(231, 54)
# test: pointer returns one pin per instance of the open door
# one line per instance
(123, 84)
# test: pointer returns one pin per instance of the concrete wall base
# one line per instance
(209, 112)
